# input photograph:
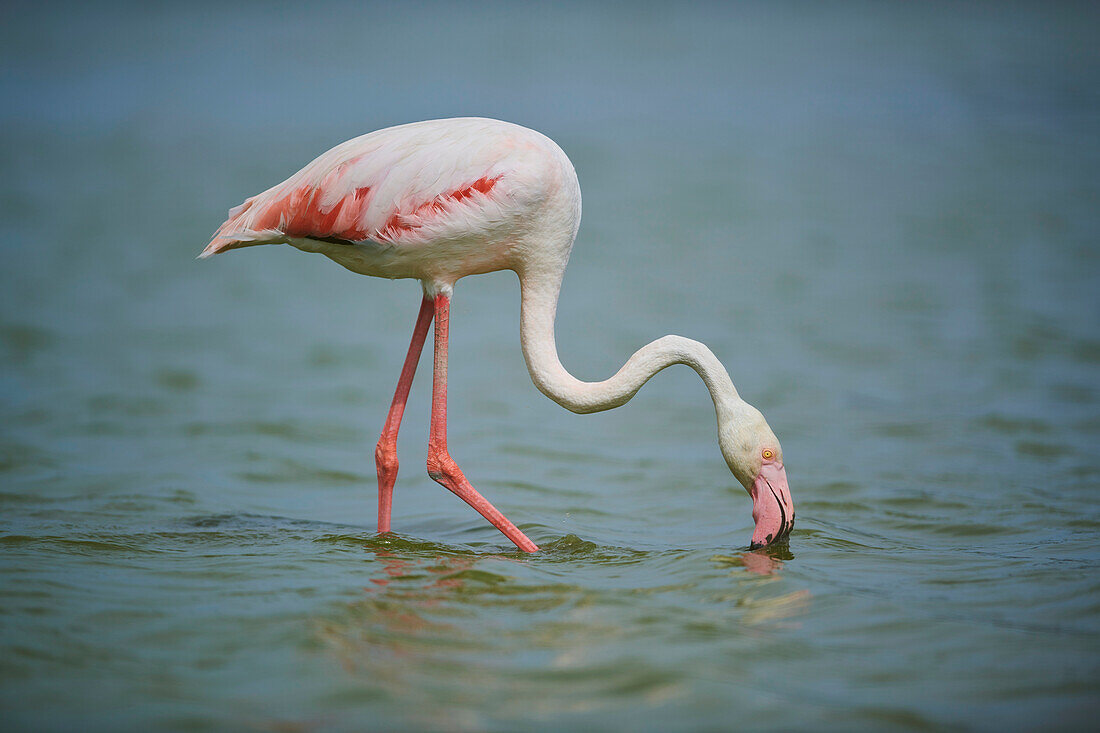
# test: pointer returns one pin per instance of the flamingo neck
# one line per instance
(539, 293)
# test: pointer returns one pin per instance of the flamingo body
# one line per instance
(442, 199)
(435, 201)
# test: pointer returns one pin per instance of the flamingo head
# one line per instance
(755, 457)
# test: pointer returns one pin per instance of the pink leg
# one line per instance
(385, 455)
(441, 466)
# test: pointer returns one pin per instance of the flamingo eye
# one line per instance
(768, 454)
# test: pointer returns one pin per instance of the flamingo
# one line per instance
(442, 199)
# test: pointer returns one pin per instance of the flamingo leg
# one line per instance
(385, 454)
(441, 467)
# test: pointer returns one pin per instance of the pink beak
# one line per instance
(772, 508)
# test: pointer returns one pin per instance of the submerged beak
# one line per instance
(772, 508)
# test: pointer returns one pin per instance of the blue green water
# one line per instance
(882, 218)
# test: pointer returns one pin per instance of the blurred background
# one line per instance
(881, 217)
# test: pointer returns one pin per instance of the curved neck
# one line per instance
(539, 292)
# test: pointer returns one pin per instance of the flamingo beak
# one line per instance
(772, 507)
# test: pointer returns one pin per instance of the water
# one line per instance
(883, 219)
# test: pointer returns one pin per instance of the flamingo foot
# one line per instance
(385, 460)
(445, 472)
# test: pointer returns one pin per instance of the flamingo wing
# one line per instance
(399, 186)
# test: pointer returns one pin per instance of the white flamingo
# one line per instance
(442, 199)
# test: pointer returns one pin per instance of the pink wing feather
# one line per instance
(398, 186)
